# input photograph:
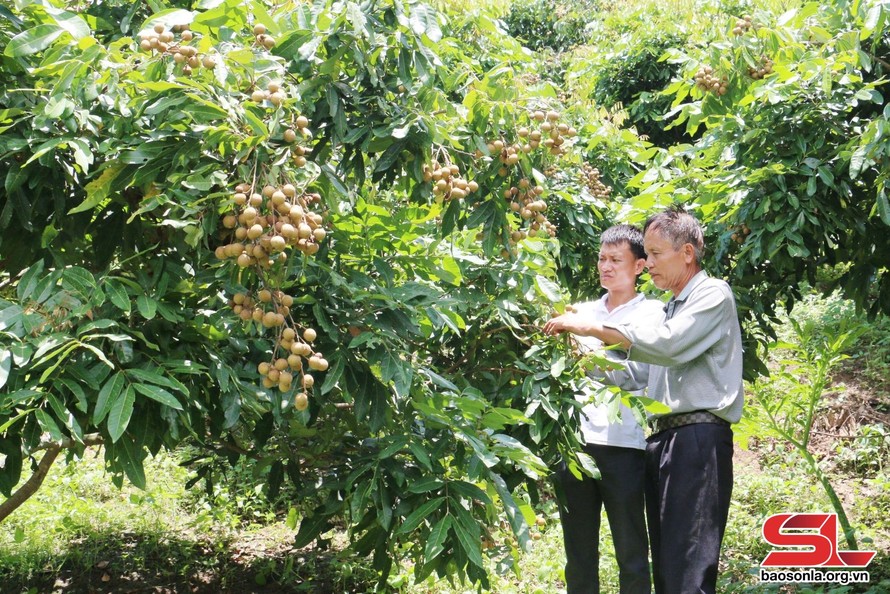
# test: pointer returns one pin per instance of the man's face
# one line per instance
(668, 267)
(618, 267)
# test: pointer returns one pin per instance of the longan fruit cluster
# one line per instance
(447, 181)
(551, 136)
(164, 42)
(290, 136)
(742, 25)
(287, 364)
(269, 222)
(273, 93)
(554, 132)
(525, 200)
(741, 232)
(269, 309)
(765, 68)
(706, 80)
(508, 154)
(590, 177)
(262, 38)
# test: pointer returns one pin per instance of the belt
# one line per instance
(660, 424)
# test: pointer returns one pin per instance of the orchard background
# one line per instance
(305, 250)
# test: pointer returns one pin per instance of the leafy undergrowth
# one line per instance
(80, 534)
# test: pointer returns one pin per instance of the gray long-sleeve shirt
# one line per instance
(695, 355)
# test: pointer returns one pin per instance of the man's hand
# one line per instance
(567, 322)
(582, 325)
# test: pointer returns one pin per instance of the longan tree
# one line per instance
(316, 236)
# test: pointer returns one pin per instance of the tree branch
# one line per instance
(30, 487)
(52, 449)
(68, 443)
(880, 60)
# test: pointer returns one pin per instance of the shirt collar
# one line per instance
(637, 298)
(699, 277)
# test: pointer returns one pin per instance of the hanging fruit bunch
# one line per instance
(708, 81)
(176, 43)
(590, 177)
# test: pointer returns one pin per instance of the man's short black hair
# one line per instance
(620, 233)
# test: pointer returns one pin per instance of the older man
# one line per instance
(695, 358)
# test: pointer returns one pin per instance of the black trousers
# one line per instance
(688, 489)
(620, 491)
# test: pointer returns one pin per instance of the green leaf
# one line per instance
(469, 542)
(79, 394)
(83, 153)
(51, 342)
(11, 317)
(69, 21)
(33, 40)
(48, 424)
(5, 366)
(335, 180)
(147, 306)
(154, 377)
(419, 514)
(65, 415)
(99, 354)
(514, 513)
(21, 353)
(424, 20)
(884, 206)
(310, 528)
(548, 289)
(399, 443)
(426, 483)
(28, 282)
(60, 356)
(333, 374)
(400, 372)
(107, 395)
(100, 188)
(421, 455)
(5, 426)
(158, 394)
(17, 397)
(436, 539)
(120, 413)
(291, 521)
(79, 281)
(169, 18)
(128, 455)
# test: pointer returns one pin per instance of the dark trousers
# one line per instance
(620, 491)
(688, 488)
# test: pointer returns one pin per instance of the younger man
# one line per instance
(616, 447)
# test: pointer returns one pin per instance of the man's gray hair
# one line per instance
(678, 227)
